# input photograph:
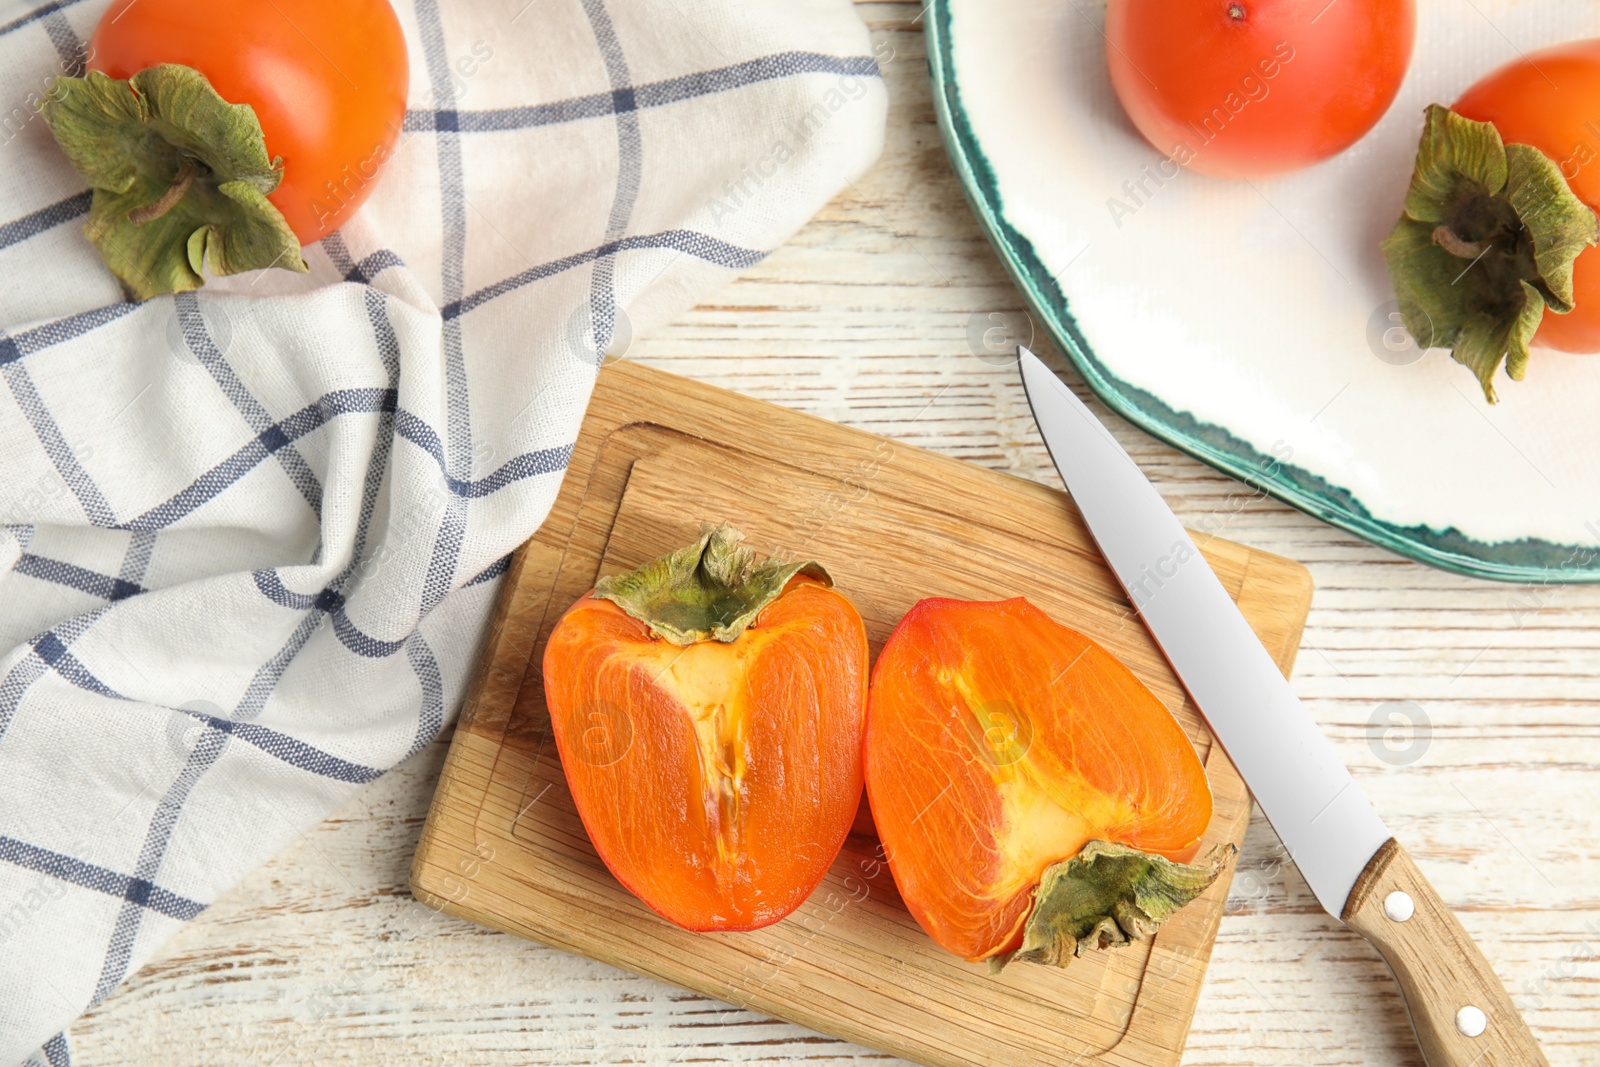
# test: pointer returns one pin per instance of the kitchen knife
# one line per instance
(1361, 875)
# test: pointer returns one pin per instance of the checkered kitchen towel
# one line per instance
(249, 537)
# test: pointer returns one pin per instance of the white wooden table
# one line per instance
(322, 957)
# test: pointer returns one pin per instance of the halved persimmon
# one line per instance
(1033, 797)
(709, 712)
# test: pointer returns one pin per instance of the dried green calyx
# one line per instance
(180, 178)
(1107, 895)
(1485, 246)
(708, 591)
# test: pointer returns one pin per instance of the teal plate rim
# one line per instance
(1531, 561)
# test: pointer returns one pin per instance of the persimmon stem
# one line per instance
(167, 200)
(710, 590)
(1447, 239)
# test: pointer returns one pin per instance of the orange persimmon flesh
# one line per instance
(1000, 742)
(717, 780)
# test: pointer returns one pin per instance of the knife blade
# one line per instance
(1354, 867)
(1326, 824)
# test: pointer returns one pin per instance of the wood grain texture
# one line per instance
(658, 458)
(1440, 969)
(322, 957)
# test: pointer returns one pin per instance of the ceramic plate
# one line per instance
(1251, 324)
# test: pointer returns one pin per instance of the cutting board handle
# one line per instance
(1459, 1008)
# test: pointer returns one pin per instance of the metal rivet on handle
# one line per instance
(1471, 1021)
(1399, 906)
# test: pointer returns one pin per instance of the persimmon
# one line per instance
(1494, 252)
(1256, 88)
(228, 133)
(1035, 800)
(709, 712)
(1547, 101)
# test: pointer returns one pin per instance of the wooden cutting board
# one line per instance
(657, 457)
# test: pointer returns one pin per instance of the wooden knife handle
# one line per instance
(1459, 1008)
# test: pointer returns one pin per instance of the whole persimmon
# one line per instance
(228, 133)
